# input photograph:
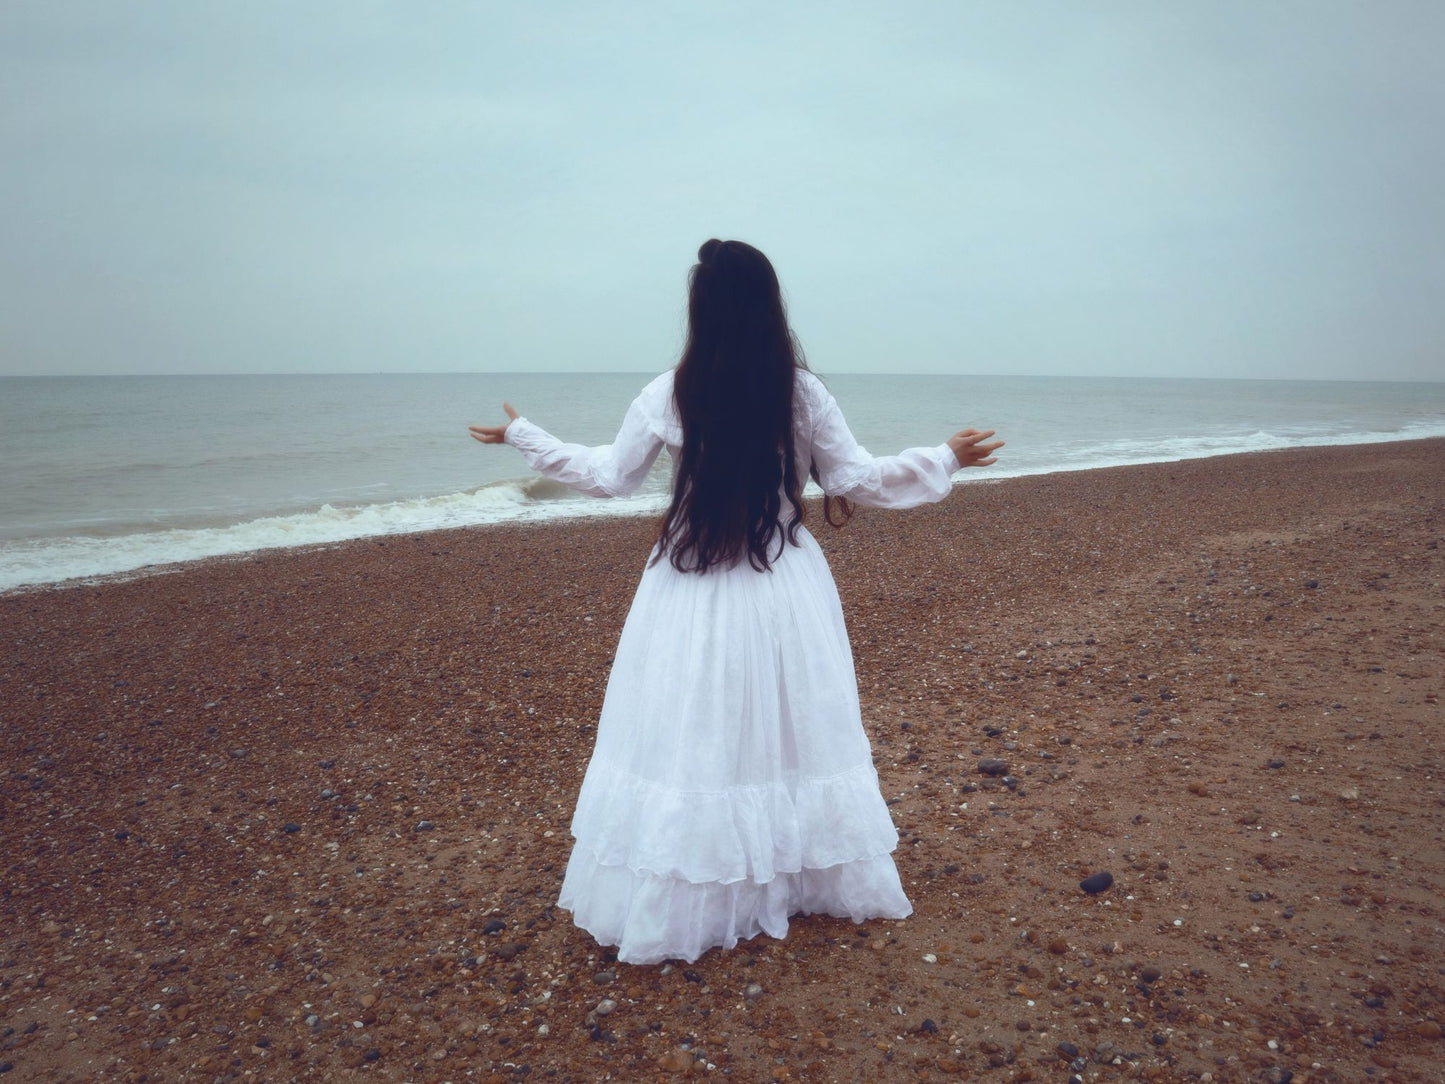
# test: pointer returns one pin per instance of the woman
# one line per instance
(732, 784)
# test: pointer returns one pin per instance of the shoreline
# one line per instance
(172, 567)
(256, 802)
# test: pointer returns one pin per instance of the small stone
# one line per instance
(494, 925)
(508, 952)
(928, 1027)
(290, 827)
(371, 1055)
(1312, 584)
(675, 1061)
(368, 1000)
(602, 978)
(1150, 974)
(993, 766)
(1058, 946)
(424, 826)
(605, 1007)
(1096, 883)
(1067, 1050)
(1428, 1029)
(1276, 763)
(753, 992)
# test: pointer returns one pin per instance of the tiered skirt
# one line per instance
(732, 785)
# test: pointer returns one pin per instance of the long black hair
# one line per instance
(734, 394)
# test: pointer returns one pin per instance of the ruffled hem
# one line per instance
(652, 918)
(737, 833)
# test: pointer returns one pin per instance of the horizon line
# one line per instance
(644, 372)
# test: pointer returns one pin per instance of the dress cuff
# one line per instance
(948, 459)
(516, 430)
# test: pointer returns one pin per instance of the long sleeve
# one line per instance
(846, 469)
(610, 470)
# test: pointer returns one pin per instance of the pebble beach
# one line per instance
(303, 814)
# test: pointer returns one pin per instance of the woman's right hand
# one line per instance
(971, 451)
(494, 434)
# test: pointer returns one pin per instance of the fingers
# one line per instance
(970, 449)
(494, 434)
(973, 436)
(488, 434)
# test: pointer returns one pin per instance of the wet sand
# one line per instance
(303, 815)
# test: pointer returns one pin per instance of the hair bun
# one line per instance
(709, 250)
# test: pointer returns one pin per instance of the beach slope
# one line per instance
(303, 814)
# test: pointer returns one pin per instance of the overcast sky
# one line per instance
(1183, 188)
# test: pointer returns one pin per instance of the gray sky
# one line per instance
(1191, 188)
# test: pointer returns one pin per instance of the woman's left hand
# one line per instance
(494, 434)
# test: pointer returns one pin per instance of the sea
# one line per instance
(128, 475)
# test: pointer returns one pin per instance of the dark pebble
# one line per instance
(424, 826)
(1096, 883)
(1256, 897)
(692, 976)
(1159, 1040)
(1275, 764)
(327, 764)
(122, 835)
(929, 1027)
(290, 826)
(494, 925)
(602, 978)
(371, 1055)
(1068, 1050)
(993, 766)
(1312, 583)
(508, 952)
(1150, 974)
(6, 1066)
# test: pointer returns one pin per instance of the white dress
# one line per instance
(732, 784)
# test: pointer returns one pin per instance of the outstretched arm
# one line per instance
(913, 477)
(609, 470)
